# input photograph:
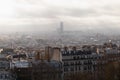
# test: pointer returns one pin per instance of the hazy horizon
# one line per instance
(43, 15)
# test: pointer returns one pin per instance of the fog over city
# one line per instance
(44, 15)
(59, 39)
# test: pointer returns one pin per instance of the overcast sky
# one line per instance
(37, 15)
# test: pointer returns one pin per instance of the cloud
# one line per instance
(76, 14)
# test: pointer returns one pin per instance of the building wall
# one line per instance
(47, 70)
(75, 61)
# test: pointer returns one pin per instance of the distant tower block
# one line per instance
(61, 27)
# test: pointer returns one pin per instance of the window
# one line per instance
(65, 69)
(76, 68)
(78, 58)
(79, 68)
(85, 68)
(79, 63)
(89, 67)
(71, 69)
(66, 64)
(74, 58)
(72, 63)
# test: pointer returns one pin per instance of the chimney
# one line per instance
(98, 51)
(74, 48)
(66, 48)
(37, 57)
(48, 53)
(56, 54)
